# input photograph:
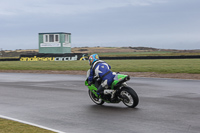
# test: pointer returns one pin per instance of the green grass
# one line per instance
(159, 65)
(44, 65)
(8, 126)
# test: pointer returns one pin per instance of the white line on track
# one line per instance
(32, 124)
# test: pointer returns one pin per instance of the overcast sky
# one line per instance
(173, 24)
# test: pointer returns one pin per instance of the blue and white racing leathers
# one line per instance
(102, 70)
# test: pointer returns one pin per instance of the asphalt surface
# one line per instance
(61, 102)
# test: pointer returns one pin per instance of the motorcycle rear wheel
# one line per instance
(95, 99)
(130, 97)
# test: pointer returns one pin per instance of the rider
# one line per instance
(101, 70)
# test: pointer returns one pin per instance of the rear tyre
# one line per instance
(130, 97)
(95, 99)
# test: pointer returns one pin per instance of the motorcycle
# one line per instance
(117, 92)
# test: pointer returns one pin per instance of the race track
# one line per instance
(61, 102)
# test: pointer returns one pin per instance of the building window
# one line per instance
(46, 38)
(51, 38)
(66, 38)
(56, 38)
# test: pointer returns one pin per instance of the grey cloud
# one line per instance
(155, 23)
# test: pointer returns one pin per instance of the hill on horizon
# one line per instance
(90, 50)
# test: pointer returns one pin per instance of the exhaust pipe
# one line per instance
(127, 78)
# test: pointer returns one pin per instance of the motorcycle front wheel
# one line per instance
(130, 97)
(95, 99)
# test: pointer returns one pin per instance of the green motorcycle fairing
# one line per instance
(92, 88)
(117, 78)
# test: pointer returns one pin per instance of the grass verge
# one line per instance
(159, 65)
(8, 126)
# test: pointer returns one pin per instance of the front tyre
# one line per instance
(95, 99)
(130, 97)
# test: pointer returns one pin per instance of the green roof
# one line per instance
(55, 33)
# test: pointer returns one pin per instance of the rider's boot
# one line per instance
(100, 91)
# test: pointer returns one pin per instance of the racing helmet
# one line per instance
(93, 58)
